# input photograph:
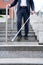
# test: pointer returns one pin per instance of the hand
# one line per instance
(8, 5)
(32, 12)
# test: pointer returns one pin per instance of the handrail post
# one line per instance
(6, 22)
(12, 21)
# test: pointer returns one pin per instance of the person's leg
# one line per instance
(26, 15)
(19, 22)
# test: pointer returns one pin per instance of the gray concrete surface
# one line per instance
(21, 54)
(34, 61)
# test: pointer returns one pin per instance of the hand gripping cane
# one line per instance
(20, 30)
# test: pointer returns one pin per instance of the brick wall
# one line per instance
(3, 6)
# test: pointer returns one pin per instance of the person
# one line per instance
(23, 11)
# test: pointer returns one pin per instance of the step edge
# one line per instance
(8, 44)
(21, 61)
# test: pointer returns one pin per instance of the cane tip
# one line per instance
(12, 40)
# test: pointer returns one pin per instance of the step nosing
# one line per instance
(21, 61)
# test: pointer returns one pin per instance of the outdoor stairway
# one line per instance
(11, 33)
(19, 53)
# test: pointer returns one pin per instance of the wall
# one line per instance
(3, 6)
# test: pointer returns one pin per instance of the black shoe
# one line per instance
(19, 38)
(26, 37)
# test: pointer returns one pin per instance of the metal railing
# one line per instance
(7, 22)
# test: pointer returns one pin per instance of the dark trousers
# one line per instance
(23, 12)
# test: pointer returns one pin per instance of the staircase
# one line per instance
(19, 53)
(11, 33)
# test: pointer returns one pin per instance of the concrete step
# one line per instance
(21, 51)
(20, 46)
(22, 61)
(25, 43)
(3, 26)
(14, 53)
(9, 38)
(15, 31)
(12, 35)
(21, 54)
(9, 28)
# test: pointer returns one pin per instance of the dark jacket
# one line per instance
(30, 3)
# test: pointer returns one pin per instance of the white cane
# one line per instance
(20, 30)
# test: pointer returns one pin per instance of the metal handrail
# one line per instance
(7, 23)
